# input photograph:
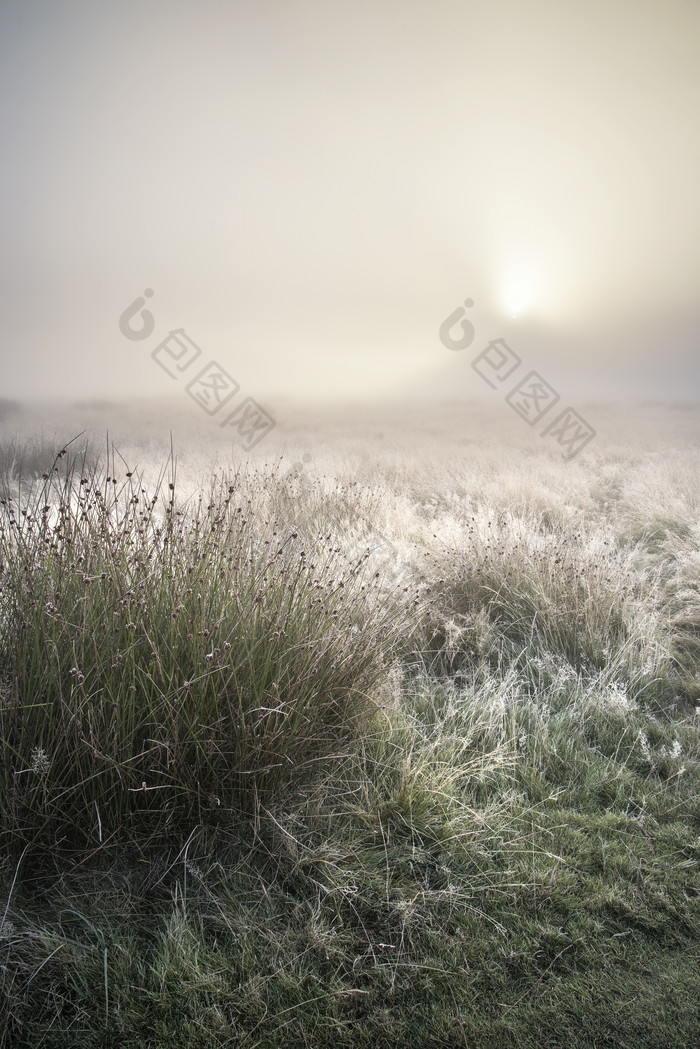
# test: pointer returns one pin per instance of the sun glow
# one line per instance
(520, 291)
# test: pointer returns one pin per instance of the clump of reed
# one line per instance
(165, 662)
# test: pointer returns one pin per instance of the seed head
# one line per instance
(40, 762)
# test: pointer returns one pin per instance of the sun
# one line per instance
(519, 292)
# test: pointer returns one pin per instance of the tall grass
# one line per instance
(167, 662)
(24, 460)
(567, 590)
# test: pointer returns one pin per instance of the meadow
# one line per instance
(385, 734)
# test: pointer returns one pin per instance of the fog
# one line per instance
(309, 189)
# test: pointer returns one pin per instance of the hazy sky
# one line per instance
(310, 188)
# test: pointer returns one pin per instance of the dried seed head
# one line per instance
(40, 762)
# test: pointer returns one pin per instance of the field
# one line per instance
(385, 735)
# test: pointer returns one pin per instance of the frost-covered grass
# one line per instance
(453, 801)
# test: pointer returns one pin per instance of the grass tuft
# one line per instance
(168, 663)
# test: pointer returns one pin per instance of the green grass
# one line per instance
(478, 824)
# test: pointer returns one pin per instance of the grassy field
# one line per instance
(386, 735)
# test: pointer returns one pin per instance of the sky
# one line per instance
(310, 188)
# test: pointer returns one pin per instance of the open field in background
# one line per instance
(415, 703)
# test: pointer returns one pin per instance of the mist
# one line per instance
(309, 190)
